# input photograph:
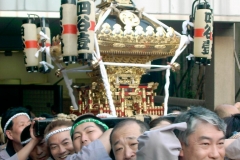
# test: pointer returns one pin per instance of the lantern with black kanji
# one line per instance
(29, 38)
(211, 45)
(203, 20)
(68, 23)
(85, 26)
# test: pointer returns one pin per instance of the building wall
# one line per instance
(220, 76)
(221, 7)
(224, 10)
(12, 67)
(12, 71)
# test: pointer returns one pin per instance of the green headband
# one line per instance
(88, 120)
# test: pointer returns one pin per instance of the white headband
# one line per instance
(56, 131)
(10, 119)
(26, 141)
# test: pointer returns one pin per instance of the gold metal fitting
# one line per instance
(175, 67)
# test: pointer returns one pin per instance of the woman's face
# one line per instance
(60, 144)
(84, 134)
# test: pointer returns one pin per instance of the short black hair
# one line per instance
(46, 115)
(174, 108)
(29, 107)
(55, 109)
(156, 121)
(143, 126)
(233, 124)
(11, 112)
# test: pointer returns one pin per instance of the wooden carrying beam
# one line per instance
(181, 102)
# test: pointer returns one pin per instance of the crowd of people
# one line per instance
(194, 134)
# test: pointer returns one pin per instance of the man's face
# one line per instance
(124, 142)
(205, 143)
(84, 134)
(60, 145)
(40, 151)
(19, 123)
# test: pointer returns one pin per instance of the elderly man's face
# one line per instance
(124, 142)
(19, 123)
(205, 143)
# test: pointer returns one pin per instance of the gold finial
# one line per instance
(175, 67)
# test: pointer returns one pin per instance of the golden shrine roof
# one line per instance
(128, 36)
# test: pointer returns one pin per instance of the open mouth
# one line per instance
(64, 156)
(42, 158)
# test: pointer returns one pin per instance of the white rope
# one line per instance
(184, 26)
(102, 66)
(43, 36)
(183, 44)
(46, 65)
(47, 50)
(40, 50)
(105, 81)
(184, 41)
(189, 57)
(158, 22)
(68, 83)
(70, 90)
(107, 88)
(166, 87)
(94, 54)
(97, 47)
(105, 15)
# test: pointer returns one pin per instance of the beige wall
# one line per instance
(220, 76)
(224, 65)
(74, 76)
(12, 67)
